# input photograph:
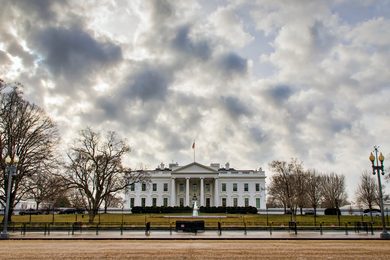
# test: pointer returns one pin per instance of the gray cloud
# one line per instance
(232, 63)
(150, 83)
(73, 52)
(280, 93)
(183, 43)
(235, 107)
(41, 9)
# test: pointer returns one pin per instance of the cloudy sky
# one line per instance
(251, 81)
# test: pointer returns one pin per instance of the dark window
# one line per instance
(154, 186)
(234, 186)
(165, 186)
(246, 187)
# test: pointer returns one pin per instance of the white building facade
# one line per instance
(207, 185)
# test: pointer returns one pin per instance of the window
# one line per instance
(154, 202)
(246, 187)
(181, 202)
(143, 202)
(207, 187)
(257, 202)
(235, 202)
(132, 202)
(143, 186)
(181, 187)
(257, 186)
(223, 186)
(165, 186)
(154, 186)
(223, 202)
(165, 202)
(207, 202)
(246, 202)
(193, 187)
(234, 186)
(132, 187)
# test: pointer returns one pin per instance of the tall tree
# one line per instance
(44, 188)
(314, 193)
(95, 168)
(367, 192)
(28, 133)
(287, 184)
(333, 190)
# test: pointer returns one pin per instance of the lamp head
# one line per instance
(381, 158)
(8, 159)
(372, 157)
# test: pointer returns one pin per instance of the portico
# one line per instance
(194, 182)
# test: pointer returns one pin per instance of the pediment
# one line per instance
(194, 168)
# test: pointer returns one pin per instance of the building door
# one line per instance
(207, 202)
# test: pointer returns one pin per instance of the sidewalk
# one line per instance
(207, 235)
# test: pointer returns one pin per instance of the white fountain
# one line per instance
(195, 210)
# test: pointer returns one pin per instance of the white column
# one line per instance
(201, 192)
(216, 193)
(173, 192)
(187, 191)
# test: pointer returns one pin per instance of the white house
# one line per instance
(207, 185)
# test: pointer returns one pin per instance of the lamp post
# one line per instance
(11, 170)
(379, 169)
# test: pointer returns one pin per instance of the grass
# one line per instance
(164, 220)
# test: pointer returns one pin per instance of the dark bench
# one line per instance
(190, 226)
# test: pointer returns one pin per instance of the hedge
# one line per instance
(229, 210)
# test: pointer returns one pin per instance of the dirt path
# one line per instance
(171, 249)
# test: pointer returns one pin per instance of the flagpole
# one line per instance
(193, 147)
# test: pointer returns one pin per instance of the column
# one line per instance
(173, 192)
(201, 192)
(216, 193)
(187, 191)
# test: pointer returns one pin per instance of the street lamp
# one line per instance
(379, 169)
(10, 170)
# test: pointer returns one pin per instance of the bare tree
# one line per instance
(288, 184)
(333, 190)
(27, 132)
(44, 187)
(367, 192)
(111, 201)
(314, 193)
(95, 168)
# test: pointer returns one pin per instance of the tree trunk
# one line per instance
(91, 215)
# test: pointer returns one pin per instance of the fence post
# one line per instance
(321, 228)
(346, 229)
(219, 228)
(372, 229)
(121, 229)
(97, 229)
(270, 229)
